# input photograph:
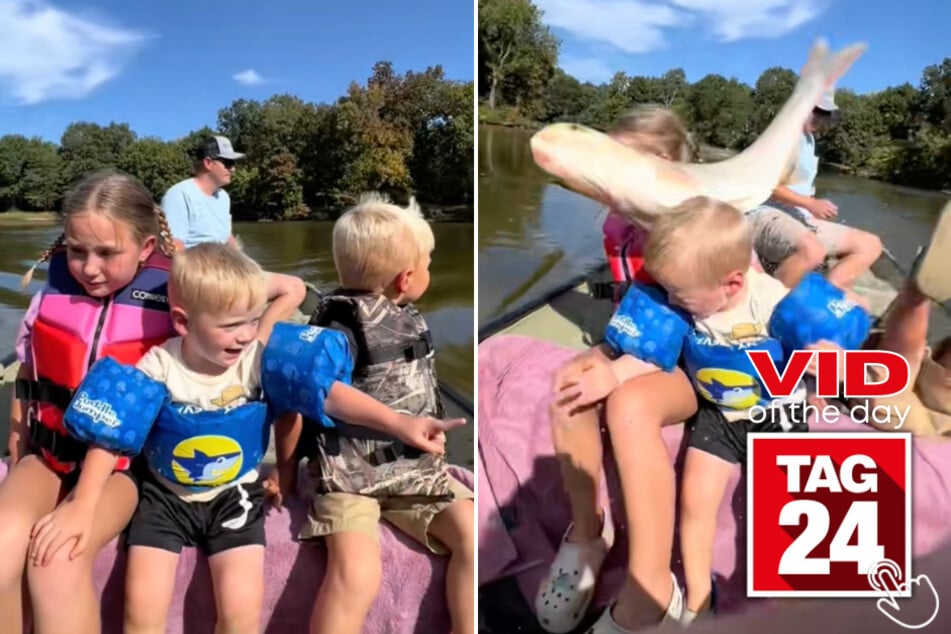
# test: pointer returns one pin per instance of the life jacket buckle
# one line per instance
(63, 448)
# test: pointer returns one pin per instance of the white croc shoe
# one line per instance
(563, 597)
(675, 611)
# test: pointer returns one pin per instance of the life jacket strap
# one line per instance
(43, 391)
(64, 448)
(614, 291)
(419, 349)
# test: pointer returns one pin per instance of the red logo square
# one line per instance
(825, 513)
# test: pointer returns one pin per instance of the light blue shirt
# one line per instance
(803, 180)
(194, 216)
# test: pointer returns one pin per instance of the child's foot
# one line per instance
(930, 270)
(708, 609)
(564, 596)
(675, 613)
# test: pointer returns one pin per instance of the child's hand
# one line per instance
(279, 486)
(570, 372)
(272, 490)
(428, 434)
(71, 521)
(593, 384)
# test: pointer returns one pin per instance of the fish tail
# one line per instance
(828, 69)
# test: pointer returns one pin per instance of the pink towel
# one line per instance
(411, 597)
(518, 462)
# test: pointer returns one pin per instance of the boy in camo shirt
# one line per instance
(382, 254)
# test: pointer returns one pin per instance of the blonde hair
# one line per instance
(121, 198)
(212, 278)
(375, 240)
(702, 238)
(656, 130)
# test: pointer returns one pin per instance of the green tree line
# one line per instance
(405, 135)
(900, 134)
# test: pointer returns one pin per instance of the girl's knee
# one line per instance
(14, 543)
(56, 583)
(647, 405)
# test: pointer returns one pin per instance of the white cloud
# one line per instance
(587, 69)
(741, 19)
(248, 77)
(49, 53)
(639, 26)
(629, 25)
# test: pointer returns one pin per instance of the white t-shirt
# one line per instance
(748, 323)
(232, 388)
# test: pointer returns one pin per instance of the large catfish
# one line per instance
(642, 186)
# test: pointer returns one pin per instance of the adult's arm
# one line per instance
(787, 196)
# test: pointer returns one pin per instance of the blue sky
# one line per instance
(166, 67)
(741, 38)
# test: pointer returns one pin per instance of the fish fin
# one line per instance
(842, 61)
(830, 68)
(816, 60)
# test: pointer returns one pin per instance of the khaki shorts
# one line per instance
(341, 512)
(777, 230)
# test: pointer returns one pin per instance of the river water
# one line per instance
(535, 235)
(302, 249)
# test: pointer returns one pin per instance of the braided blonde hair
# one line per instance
(656, 130)
(120, 197)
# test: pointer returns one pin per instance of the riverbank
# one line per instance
(435, 213)
(22, 218)
(705, 153)
(508, 117)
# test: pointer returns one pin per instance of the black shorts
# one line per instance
(711, 432)
(163, 520)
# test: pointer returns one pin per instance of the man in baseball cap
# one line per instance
(198, 208)
(795, 230)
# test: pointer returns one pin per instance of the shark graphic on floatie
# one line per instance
(204, 468)
(731, 389)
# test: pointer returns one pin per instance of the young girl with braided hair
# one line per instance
(105, 296)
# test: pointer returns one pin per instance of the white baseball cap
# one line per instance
(827, 101)
(219, 147)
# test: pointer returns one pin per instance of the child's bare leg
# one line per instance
(238, 578)
(354, 572)
(704, 481)
(856, 249)
(29, 492)
(149, 587)
(577, 439)
(64, 598)
(636, 413)
(562, 598)
(455, 528)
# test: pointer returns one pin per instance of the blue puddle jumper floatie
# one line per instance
(119, 408)
(647, 327)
